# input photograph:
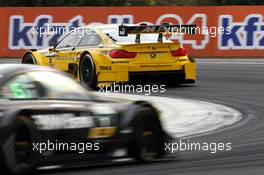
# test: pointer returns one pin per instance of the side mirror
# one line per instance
(52, 44)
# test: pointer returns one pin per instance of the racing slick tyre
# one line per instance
(148, 138)
(28, 58)
(16, 155)
(88, 72)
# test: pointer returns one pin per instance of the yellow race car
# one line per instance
(109, 54)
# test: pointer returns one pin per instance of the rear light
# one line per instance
(180, 52)
(118, 53)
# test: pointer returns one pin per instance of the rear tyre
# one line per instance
(88, 72)
(29, 59)
(148, 139)
(16, 154)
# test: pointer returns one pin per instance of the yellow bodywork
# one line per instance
(110, 70)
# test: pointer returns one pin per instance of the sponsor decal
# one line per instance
(118, 62)
(248, 34)
(156, 66)
(69, 121)
(64, 57)
(105, 68)
(39, 33)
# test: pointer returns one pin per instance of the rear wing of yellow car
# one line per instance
(160, 29)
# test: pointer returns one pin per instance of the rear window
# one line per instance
(144, 38)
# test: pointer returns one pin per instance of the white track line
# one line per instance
(182, 118)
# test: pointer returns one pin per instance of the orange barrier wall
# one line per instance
(243, 38)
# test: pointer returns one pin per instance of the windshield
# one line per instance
(144, 38)
(43, 85)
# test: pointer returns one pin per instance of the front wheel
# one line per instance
(16, 154)
(148, 139)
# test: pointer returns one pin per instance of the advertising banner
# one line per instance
(222, 31)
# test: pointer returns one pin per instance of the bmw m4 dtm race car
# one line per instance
(108, 53)
(47, 118)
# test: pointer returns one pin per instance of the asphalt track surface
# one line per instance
(238, 84)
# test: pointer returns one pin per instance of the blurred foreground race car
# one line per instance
(110, 54)
(48, 118)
